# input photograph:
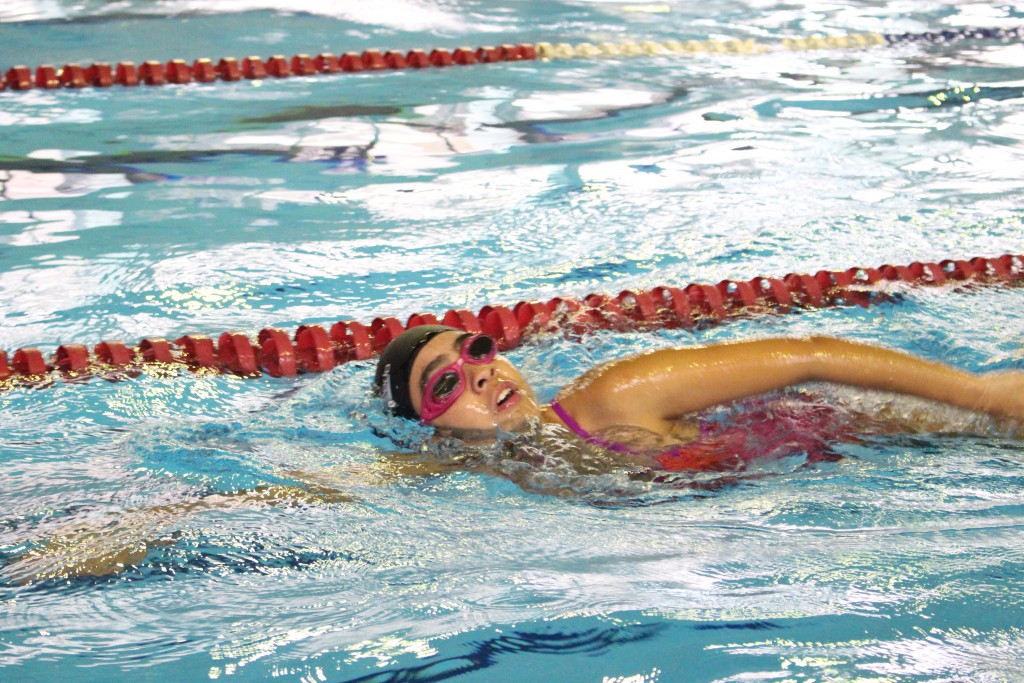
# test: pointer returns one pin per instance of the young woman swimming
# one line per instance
(647, 411)
(649, 405)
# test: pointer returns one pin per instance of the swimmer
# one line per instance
(645, 411)
(457, 383)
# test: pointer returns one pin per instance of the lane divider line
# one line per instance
(180, 72)
(314, 348)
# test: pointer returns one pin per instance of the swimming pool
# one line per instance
(161, 211)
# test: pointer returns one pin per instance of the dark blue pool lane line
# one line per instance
(312, 348)
(178, 71)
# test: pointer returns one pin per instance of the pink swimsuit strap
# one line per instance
(584, 434)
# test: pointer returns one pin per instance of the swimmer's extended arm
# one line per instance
(655, 388)
(101, 547)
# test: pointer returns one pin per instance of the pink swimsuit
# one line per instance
(771, 429)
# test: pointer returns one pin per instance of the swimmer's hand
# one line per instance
(83, 551)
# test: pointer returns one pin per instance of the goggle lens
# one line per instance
(445, 385)
(480, 347)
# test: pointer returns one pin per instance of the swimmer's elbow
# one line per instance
(817, 356)
(819, 344)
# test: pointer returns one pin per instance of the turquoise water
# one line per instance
(166, 211)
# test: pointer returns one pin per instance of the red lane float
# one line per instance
(373, 60)
(314, 349)
(303, 65)
(707, 300)
(156, 350)
(72, 358)
(228, 70)
(253, 68)
(152, 73)
(203, 71)
(237, 354)
(501, 324)
(462, 319)
(46, 77)
(279, 67)
(350, 62)
(640, 307)
(113, 353)
(417, 319)
(533, 316)
(277, 353)
(197, 350)
(126, 74)
(383, 330)
(29, 361)
(353, 341)
(19, 78)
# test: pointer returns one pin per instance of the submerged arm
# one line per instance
(653, 389)
(122, 539)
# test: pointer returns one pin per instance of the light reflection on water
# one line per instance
(205, 208)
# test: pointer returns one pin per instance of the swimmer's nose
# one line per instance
(479, 376)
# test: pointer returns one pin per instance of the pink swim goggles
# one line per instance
(446, 385)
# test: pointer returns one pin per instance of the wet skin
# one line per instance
(495, 396)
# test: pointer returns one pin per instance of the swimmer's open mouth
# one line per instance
(507, 396)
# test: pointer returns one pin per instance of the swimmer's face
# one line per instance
(494, 394)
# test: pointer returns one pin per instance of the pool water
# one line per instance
(127, 213)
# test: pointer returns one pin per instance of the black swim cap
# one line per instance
(395, 366)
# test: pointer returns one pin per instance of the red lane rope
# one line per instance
(104, 75)
(313, 348)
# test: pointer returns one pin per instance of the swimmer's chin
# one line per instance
(483, 437)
